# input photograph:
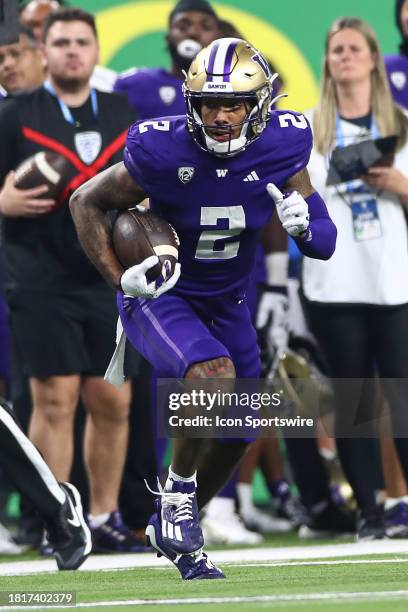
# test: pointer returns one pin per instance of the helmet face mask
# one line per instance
(228, 73)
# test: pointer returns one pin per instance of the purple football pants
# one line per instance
(173, 332)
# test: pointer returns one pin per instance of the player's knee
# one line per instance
(55, 411)
(221, 367)
(116, 413)
(113, 406)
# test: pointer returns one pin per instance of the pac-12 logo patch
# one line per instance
(185, 174)
(398, 79)
(167, 93)
(88, 146)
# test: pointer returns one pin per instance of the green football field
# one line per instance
(283, 575)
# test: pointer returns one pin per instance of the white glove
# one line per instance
(134, 281)
(293, 211)
(272, 319)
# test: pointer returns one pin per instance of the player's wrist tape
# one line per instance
(277, 265)
(305, 236)
(281, 289)
(317, 210)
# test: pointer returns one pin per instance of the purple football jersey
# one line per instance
(216, 205)
(397, 70)
(152, 92)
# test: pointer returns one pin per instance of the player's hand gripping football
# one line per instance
(134, 281)
(292, 210)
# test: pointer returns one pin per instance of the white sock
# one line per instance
(98, 520)
(391, 502)
(220, 506)
(173, 477)
(244, 493)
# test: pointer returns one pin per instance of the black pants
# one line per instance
(359, 343)
(26, 468)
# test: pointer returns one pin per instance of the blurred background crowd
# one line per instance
(343, 319)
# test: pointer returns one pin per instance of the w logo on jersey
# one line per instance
(222, 172)
(261, 61)
(185, 174)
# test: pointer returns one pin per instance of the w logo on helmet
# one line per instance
(261, 61)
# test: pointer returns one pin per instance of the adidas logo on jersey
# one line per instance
(252, 176)
(221, 172)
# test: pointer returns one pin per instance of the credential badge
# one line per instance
(167, 93)
(88, 146)
(185, 174)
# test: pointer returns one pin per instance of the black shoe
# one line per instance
(293, 510)
(114, 536)
(69, 534)
(371, 526)
(332, 520)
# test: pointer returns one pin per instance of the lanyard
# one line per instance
(340, 137)
(65, 110)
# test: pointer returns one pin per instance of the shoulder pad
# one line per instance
(129, 72)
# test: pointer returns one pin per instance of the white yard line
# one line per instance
(244, 555)
(362, 595)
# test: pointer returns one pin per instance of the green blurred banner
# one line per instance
(290, 33)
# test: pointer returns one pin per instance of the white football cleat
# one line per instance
(261, 521)
(222, 525)
(7, 544)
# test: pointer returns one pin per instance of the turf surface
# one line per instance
(368, 581)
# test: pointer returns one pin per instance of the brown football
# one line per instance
(138, 234)
(44, 168)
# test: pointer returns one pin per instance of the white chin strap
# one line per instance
(229, 146)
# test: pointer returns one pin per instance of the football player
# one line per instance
(216, 175)
(397, 65)
(154, 92)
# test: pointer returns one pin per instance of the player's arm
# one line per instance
(112, 189)
(304, 216)
(272, 313)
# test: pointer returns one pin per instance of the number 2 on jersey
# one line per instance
(209, 244)
(162, 126)
(298, 121)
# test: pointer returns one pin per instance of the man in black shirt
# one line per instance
(62, 315)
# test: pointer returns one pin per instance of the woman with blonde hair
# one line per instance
(357, 301)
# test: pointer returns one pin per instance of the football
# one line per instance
(139, 233)
(44, 168)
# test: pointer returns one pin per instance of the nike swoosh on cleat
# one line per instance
(75, 522)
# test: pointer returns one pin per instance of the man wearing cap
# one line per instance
(156, 92)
